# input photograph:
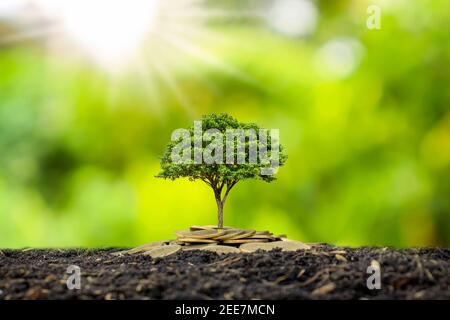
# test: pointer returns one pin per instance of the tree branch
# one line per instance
(229, 187)
(206, 181)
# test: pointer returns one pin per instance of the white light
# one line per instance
(109, 30)
(338, 58)
(11, 7)
(293, 17)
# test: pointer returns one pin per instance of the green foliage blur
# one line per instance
(363, 115)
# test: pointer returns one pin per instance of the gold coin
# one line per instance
(163, 251)
(238, 241)
(290, 245)
(244, 234)
(195, 228)
(200, 234)
(147, 247)
(254, 246)
(208, 234)
(196, 240)
(221, 249)
(183, 233)
(230, 234)
(189, 247)
(262, 236)
(143, 248)
(265, 232)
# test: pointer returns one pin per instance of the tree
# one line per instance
(221, 151)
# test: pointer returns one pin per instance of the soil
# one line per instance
(325, 272)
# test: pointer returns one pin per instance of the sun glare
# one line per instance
(148, 40)
(108, 30)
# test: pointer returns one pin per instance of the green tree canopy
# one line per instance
(221, 151)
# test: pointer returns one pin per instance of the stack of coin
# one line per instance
(162, 249)
(223, 236)
(224, 240)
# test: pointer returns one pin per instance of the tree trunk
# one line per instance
(219, 211)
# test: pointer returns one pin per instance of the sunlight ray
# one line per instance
(173, 86)
(193, 72)
(199, 33)
(143, 68)
(208, 58)
(179, 31)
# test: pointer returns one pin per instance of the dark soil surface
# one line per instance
(322, 273)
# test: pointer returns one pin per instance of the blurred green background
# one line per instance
(363, 114)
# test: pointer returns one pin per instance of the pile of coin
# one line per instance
(225, 236)
(213, 239)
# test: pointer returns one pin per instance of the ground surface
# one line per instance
(322, 273)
